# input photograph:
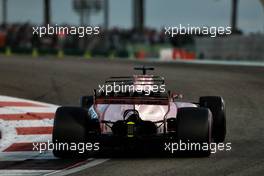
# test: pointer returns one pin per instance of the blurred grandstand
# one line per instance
(139, 42)
(121, 42)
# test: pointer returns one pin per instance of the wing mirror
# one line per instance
(176, 96)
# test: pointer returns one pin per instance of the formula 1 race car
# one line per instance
(135, 113)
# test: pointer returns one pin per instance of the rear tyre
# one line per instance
(217, 107)
(69, 127)
(194, 127)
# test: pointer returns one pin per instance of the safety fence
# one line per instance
(235, 47)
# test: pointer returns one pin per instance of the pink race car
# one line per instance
(136, 114)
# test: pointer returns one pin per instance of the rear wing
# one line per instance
(136, 80)
(128, 85)
(133, 100)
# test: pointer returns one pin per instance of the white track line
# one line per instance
(89, 164)
(210, 62)
(24, 172)
(22, 156)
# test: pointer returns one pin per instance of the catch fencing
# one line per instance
(235, 47)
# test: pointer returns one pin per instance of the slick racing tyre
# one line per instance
(69, 127)
(194, 127)
(217, 107)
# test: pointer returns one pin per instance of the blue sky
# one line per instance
(158, 13)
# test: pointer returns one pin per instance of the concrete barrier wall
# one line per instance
(231, 48)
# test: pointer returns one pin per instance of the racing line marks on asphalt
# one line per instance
(24, 172)
(51, 171)
(74, 169)
(22, 123)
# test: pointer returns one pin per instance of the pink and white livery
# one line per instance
(138, 115)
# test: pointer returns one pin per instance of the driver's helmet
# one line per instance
(131, 115)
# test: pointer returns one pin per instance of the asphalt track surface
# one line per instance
(63, 81)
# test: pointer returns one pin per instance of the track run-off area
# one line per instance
(63, 81)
